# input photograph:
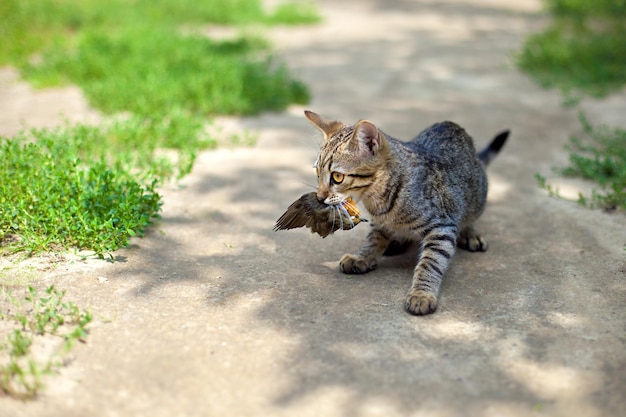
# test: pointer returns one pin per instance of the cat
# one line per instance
(429, 191)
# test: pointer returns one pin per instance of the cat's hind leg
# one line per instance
(470, 240)
(438, 246)
(368, 256)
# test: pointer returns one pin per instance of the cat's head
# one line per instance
(349, 158)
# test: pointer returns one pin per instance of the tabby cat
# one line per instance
(428, 191)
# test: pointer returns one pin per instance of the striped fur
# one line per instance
(428, 191)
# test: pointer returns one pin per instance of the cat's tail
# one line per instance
(490, 152)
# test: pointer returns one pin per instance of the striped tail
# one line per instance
(490, 152)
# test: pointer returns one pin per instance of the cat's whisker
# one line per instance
(342, 211)
(308, 185)
(318, 142)
(338, 210)
(311, 143)
(333, 211)
(347, 204)
(352, 225)
(347, 214)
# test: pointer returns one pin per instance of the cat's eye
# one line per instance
(336, 177)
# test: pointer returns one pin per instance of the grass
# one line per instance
(133, 56)
(599, 156)
(147, 67)
(30, 26)
(582, 50)
(157, 73)
(26, 323)
(56, 193)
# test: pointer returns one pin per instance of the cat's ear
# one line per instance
(367, 140)
(328, 127)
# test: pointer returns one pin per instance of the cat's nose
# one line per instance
(322, 195)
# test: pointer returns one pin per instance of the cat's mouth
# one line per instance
(345, 215)
(349, 205)
(335, 199)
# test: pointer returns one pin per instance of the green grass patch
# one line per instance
(29, 26)
(134, 56)
(26, 322)
(149, 72)
(600, 156)
(84, 187)
(91, 187)
(582, 50)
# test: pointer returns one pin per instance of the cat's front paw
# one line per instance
(421, 302)
(352, 264)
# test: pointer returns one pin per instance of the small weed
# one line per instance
(246, 138)
(600, 157)
(27, 321)
(543, 183)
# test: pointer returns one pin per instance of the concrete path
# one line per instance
(214, 314)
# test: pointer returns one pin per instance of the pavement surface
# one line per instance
(214, 314)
